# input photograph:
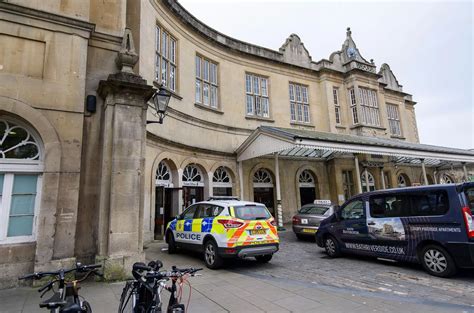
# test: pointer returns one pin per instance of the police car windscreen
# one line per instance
(251, 212)
(313, 209)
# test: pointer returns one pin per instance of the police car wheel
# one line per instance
(212, 259)
(437, 261)
(332, 247)
(264, 258)
(171, 244)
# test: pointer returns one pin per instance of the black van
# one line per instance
(432, 225)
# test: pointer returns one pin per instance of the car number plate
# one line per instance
(304, 221)
(309, 230)
(257, 232)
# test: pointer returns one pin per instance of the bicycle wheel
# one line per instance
(86, 307)
(126, 305)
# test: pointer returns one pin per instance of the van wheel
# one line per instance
(264, 258)
(332, 247)
(437, 261)
(171, 244)
(299, 237)
(211, 258)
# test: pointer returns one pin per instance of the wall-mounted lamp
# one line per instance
(161, 98)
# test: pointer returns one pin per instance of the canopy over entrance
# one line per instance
(297, 143)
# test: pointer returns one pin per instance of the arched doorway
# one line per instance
(21, 161)
(307, 187)
(446, 179)
(403, 181)
(367, 185)
(263, 189)
(221, 182)
(163, 198)
(193, 185)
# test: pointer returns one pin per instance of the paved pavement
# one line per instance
(300, 278)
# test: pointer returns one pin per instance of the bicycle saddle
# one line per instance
(54, 302)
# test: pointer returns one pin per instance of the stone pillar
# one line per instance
(180, 190)
(122, 181)
(382, 177)
(278, 193)
(210, 176)
(435, 173)
(359, 184)
(241, 179)
(366, 177)
(464, 169)
(423, 170)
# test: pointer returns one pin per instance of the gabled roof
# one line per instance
(306, 143)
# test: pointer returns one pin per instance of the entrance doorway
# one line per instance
(263, 189)
(265, 196)
(163, 210)
(192, 195)
(307, 186)
(193, 185)
(163, 199)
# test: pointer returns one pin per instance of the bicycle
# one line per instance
(66, 299)
(143, 294)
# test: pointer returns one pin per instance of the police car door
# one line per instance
(353, 225)
(184, 225)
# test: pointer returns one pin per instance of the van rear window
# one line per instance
(251, 212)
(423, 203)
(470, 198)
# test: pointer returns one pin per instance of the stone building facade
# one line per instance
(84, 177)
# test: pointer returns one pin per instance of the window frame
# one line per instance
(364, 213)
(300, 110)
(393, 116)
(369, 106)
(337, 105)
(258, 109)
(353, 106)
(5, 208)
(202, 80)
(168, 58)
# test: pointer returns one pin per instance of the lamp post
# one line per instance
(161, 98)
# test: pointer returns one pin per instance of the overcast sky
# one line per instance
(428, 45)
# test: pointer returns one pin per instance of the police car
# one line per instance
(225, 229)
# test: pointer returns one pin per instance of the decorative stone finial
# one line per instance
(372, 61)
(127, 57)
(349, 33)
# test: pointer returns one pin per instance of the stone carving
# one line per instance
(295, 52)
(389, 78)
(127, 57)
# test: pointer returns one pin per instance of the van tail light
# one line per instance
(296, 220)
(273, 222)
(466, 212)
(230, 223)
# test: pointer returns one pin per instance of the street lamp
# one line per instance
(161, 98)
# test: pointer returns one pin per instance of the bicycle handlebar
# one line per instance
(79, 268)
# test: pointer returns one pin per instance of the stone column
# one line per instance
(241, 179)
(382, 177)
(278, 193)
(359, 184)
(122, 186)
(464, 169)
(423, 170)
(180, 190)
(435, 173)
(210, 176)
(366, 177)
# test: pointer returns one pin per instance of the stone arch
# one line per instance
(402, 177)
(364, 183)
(232, 175)
(192, 160)
(52, 152)
(446, 178)
(264, 194)
(170, 160)
(312, 171)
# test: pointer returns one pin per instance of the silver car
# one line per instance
(306, 221)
